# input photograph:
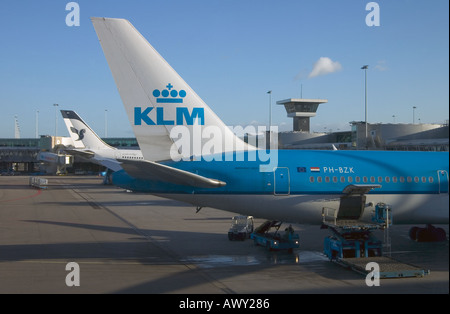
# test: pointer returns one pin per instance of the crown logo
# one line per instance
(173, 93)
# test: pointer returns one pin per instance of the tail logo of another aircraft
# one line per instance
(79, 133)
(173, 94)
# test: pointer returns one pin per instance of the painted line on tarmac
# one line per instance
(39, 192)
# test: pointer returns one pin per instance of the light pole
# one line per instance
(56, 119)
(106, 123)
(37, 123)
(270, 117)
(365, 67)
(414, 114)
(270, 108)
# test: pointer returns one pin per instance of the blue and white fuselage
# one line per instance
(306, 181)
(171, 122)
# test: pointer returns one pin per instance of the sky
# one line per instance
(231, 52)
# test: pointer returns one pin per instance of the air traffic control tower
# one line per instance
(301, 110)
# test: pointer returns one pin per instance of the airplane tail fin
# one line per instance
(82, 135)
(159, 103)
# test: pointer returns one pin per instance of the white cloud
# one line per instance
(381, 66)
(324, 66)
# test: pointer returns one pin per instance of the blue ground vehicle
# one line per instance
(289, 240)
(353, 245)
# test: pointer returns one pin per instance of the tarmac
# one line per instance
(127, 242)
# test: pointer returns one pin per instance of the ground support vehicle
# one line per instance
(428, 234)
(353, 245)
(263, 236)
(241, 228)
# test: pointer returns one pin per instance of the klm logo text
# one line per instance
(148, 116)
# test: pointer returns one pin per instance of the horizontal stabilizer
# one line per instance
(112, 164)
(109, 163)
(148, 170)
(81, 152)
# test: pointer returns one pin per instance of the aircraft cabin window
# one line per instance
(387, 179)
(394, 179)
(350, 179)
(431, 179)
(416, 179)
(372, 179)
(335, 179)
(402, 179)
(342, 179)
(380, 179)
(311, 179)
(365, 179)
(327, 179)
(319, 179)
(357, 179)
(424, 180)
(409, 179)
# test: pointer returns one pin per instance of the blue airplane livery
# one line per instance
(182, 116)
(294, 186)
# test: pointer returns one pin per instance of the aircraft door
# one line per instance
(443, 181)
(281, 181)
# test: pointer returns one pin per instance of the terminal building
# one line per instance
(413, 137)
(47, 155)
(405, 137)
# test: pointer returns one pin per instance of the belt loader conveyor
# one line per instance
(353, 244)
